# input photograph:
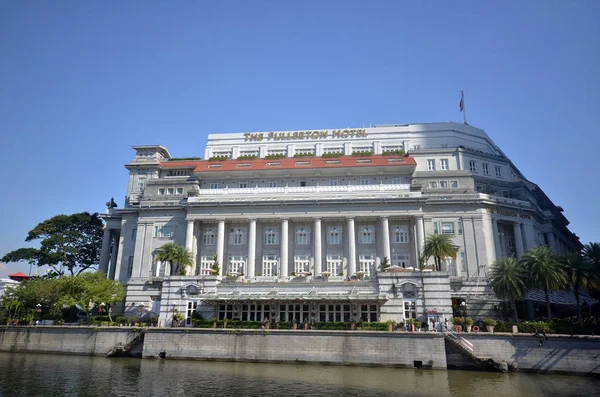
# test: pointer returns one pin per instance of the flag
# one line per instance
(462, 101)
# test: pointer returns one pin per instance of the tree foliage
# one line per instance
(44, 297)
(69, 244)
(581, 273)
(509, 281)
(438, 246)
(179, 257)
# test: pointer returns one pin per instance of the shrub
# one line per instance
(304, 155)
(275, 156)
(219, 158)
(393, 153)
(490, 322)
(247, 157)
(458, 320)
(469, 321)
(332, 155)
(358, 154)
(184, 158)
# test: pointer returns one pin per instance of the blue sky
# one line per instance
(80, 82)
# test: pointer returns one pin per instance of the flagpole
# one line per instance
(464, 108)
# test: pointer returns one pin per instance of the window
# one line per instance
(271, 236)
(498, 171)
(237, 236)
(433, 184)
(463, 263)
(486, 168)
(443, 184)
(366, 235)
(301, 264)
(209, 237)
(161, 192)
(213, 185)
(170, 191)
(400, 259)
(451, 266)
(400, 235)
(273, 184)
(410, 310)
(333, 182)
(396, 181)
(206, 264)
(454, 184)
(479, 188)
(444, 164)
(256, 312)
(472, 166)
(334, 264)
(302, 235)
(243, 185)
(270, 262)
(179, 173)
(505, 193)
(435, 228)
(368, 313)
(130, 266)
(302, 183)
(334, 235)
(191, 309)
(236, 264)
(334, 312)
(226, 312)
(141, 184)
(447, 227)
(460, 226)
(366, 262)
(431, 165)
(365, 181)
(163, 231)
(179, 190)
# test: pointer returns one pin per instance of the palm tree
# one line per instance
(591, 251)
(544, 271)
(508, 278)
(439, 246)
(580, 274)
(179, 258)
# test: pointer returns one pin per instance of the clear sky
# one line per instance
(81, 82)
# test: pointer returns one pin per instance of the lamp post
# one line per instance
(142, 305)
(38, 310)
(463, 308)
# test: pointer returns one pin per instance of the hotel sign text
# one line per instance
(305, 135)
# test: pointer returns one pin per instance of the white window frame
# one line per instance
(498, 171)
(472, 166)
(451, 266)
(366, 234)
(450, 227)
(301, 263)
(170, 191)
(366, 262)
(209, 237)
(206, 263)
(444, 164)
(273, 184)
(271, 235)
(485, 167)
(453, 184)
(443, 184)
(400, 235)
(433, 184)
(430, 164)
(237, 236)
(410, 308)
(396, 181)
(401, 259)
(365, 181)
(141, 185)
(179, 191)
(236, 263)
(302, 235)
(160, 231)
(334, 235)
(270, 262)
(334, 264)
(243, 184)
(214, 185)
(333, 182)
(161, 191)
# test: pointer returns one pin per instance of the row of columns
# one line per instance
(109, 252)
(317, 247)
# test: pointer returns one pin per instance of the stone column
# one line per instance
(251, 248)
(420, 234)
(318, 254)
(351, 248)
(488, 235)
(189, 240)
(221, 245)
(385, 234)
(496, 232)
(518, 240)
(113, 255)
(552, 241)
(104, 254)
(283, 260)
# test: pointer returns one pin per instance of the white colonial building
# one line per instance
(300, 222)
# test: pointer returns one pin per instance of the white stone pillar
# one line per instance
(385, 233)
(189, 240)
(251, 248)
(318, 254)
(518, 239)
(351, 248)
(420, 234)
(221, 245)
(283, 260)
(113, 255)
(488, 235)
(105, 252)
(499, 252)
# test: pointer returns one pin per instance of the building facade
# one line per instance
(301, 221)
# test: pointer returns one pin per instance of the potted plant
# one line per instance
(177, 319)
(489, 323)
(458, 323)
(469, 323)
(294, 324)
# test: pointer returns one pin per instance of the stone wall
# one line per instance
(62, 340)
(331, 347)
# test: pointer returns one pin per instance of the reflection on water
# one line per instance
(50, 375)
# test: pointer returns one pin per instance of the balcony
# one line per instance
(301, 193)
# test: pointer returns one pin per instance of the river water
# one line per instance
(55, 376)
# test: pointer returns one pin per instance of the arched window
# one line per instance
(209, 237)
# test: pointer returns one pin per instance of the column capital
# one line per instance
(384, 217)
(284, 219)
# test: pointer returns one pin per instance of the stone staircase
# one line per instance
(129, 348)
(466, 349)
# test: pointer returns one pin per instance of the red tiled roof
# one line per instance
(18, 275)
(293, 163)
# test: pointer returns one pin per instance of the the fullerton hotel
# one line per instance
(300, 222)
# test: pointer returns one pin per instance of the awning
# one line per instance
(560, 298)
(311, 295)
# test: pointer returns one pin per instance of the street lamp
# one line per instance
(38, 310)
(463, 308)
(141, 311)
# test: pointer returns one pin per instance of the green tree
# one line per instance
(580, 274)
(508, 278)
(385, 263)
(179, 258)
(438, 246)
(216, 265)
(591, 252)
(544, 271)
(68, 243)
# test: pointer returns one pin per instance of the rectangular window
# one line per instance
(271, 236)
(433, 184)
(130, 266)
(334, 264)
(486, 168)
(454, 184)
(302, 235)
(170, 191)
(237, 236)
(505, 193)
(366, 235)
(365, 181)
(133, 234)
(161, 192)
(209, 237)
(273, 184)
(400, 235)
(213, 185)
(463, 263)
(479, 188)
(243, 185)
(447, 227)
(444, 164)
(472, 166)
(141, 185)
(400, 259)
(333, 182)
(498, 171)
(451, 267)
(236, 264)
(270, 262)
(301, 263)
(334, 235)
(302, 183)
(166, 231)
(435, 228)
(431, 165)
(396, 181)
(366, 262)
(410, 310)
(460, 226)
(179, 191)
(443, 184)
